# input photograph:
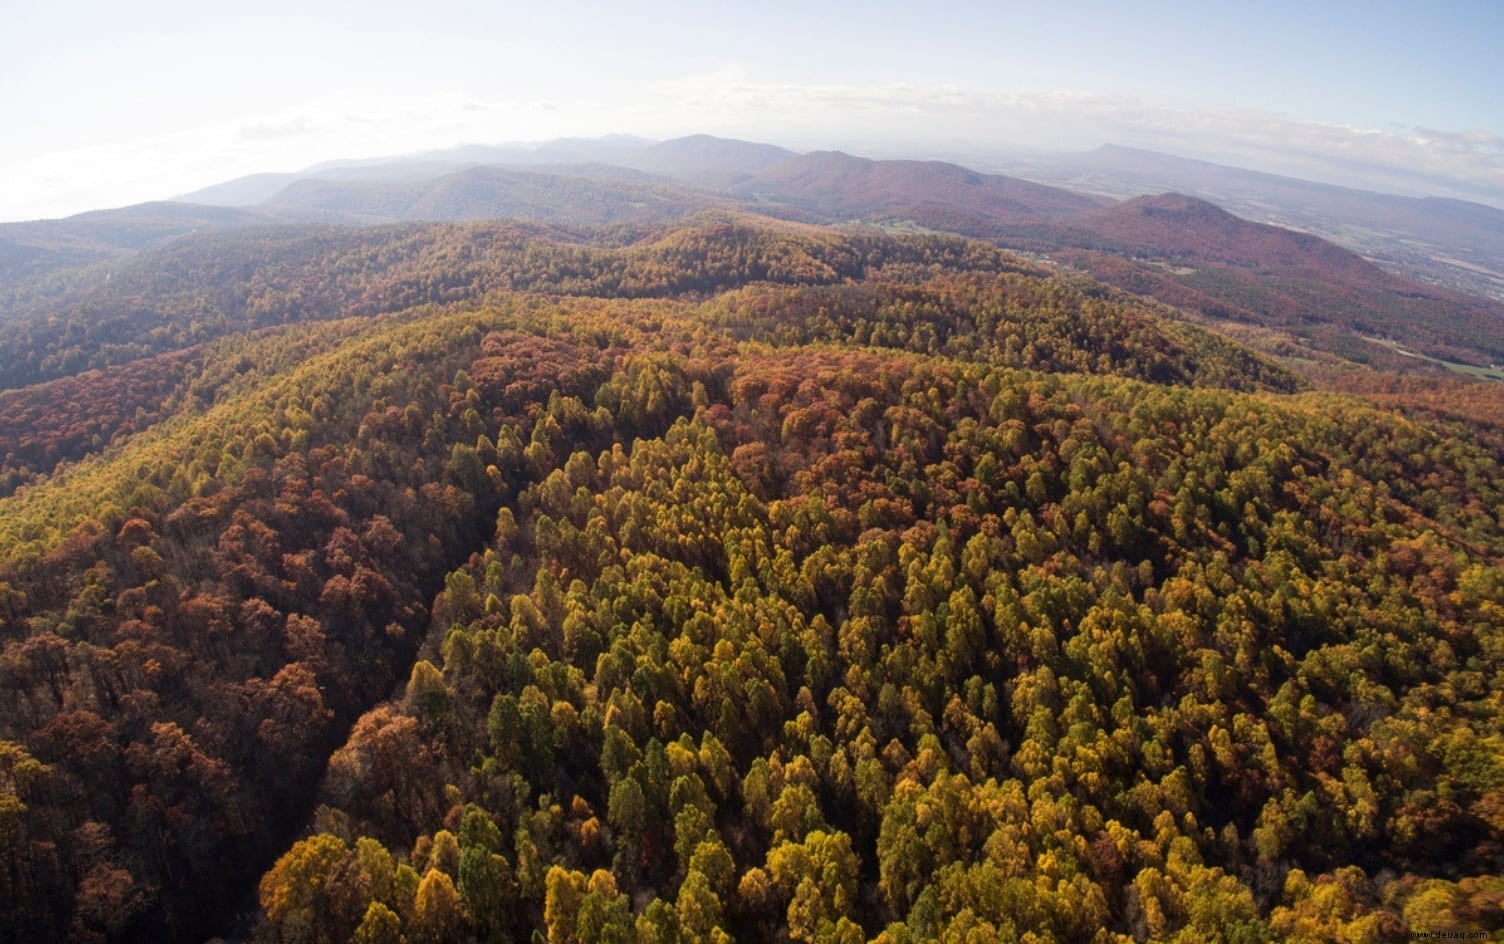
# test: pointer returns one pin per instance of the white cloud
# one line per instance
(271, 130)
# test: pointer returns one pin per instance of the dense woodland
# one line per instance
(741, 581)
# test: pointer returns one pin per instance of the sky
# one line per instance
(111, 102)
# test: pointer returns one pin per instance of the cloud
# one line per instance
(270, 130)
(1483, 141)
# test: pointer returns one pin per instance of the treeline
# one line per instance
(217, 284)
(1016, 319)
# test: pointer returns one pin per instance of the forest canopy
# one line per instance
(737, 581)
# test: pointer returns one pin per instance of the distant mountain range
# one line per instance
(699, 160)
(1180, 249)
(585, 195)
(830, 185)
(683, 175)
(574, 182)
(1448, 242)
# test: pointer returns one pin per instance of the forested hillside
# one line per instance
(1198, 257)
(733, 580)
(227, 283)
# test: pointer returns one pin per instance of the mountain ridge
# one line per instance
(1188, 252)
(833, 183)
(1190, 227)
(1446, 241)
(1333, 301)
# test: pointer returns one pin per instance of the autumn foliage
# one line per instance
(824, 588)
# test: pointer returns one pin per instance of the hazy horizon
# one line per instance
(108, 108)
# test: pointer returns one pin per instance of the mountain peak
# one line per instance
(1177, 203)
(1189, 228)
(706, 160)
(1180, 209)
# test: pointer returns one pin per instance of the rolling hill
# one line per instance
(731, 578)
(1452, 243)
(1188, 252)
(33, 250)
(1188, 228)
